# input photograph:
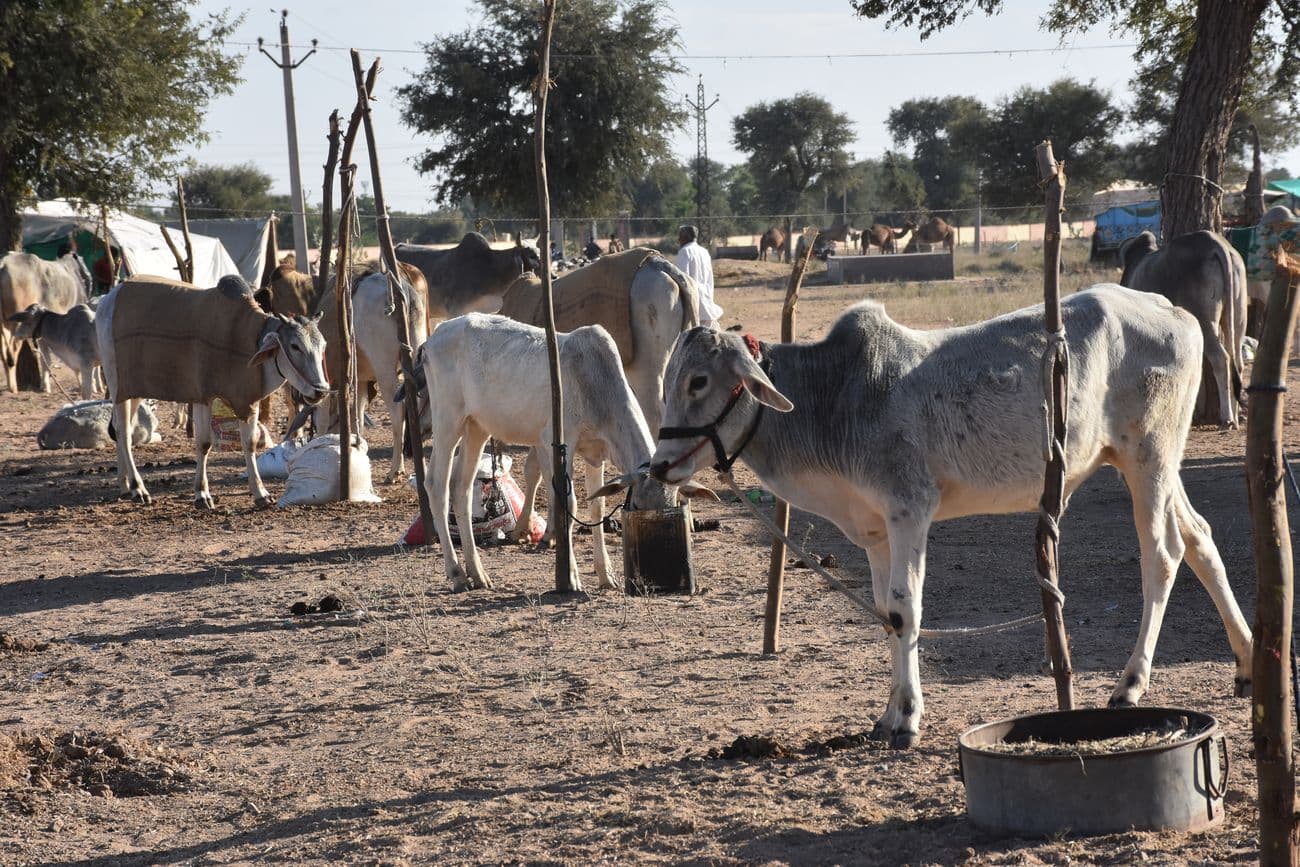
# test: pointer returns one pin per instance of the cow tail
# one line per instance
(685, 289)
(1229, 322)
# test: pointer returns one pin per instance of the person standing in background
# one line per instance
(695, 261)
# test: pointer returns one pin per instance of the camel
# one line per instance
(932, 231)
(882, 237)
(773, 239)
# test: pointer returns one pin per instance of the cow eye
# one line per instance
(698, 382)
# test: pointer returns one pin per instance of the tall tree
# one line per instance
(99, 96)
(1079, 119)
(1222, 35)
(791, 144)
(611, 109)
(945, 165)
(227, 191)
(665, 194)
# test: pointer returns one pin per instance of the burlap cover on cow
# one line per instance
(174, 341)
(599, 293)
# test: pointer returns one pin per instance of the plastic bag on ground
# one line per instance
(314, 473)
(495, 507)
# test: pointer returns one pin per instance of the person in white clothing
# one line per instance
(695, 261)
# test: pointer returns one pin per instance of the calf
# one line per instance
(891, 429)
(488, 376)
(70, 336)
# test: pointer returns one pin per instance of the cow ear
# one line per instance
(757, 384)
(270, 346)
(692, 491)
(614, 486)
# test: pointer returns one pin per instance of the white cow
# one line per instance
(488, 376)
(884, 430)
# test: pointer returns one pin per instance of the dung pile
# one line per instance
(100, 764)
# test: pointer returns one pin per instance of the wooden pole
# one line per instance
(1052, 175)
(188, 273)
(559, 461)
(1265, 476)
(399, 285)
(776, 565)
(327, 209)
(108, 244)
(343, 309)
(176, 254)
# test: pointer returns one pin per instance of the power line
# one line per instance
(852, 55)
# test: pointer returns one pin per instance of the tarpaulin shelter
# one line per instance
(251, 242)
(142, 249)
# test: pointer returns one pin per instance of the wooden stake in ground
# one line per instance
(776, 566)
(343, 296)
(108, 245)
(1265, 476)
(184, 264)
(398, 286)
(327, 209)
(560, 460)
(1052, 176)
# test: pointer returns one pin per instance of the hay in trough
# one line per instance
(1140, 740)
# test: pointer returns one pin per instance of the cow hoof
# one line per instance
(140, 495)
(265, 501)
(1119, 701)
(1241, 687)
(205, 502)
(903, 740)
(459, 580)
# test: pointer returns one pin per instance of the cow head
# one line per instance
(1131, 253)
(528, 257)
(297, 349)
(28, 321)
(712, 389)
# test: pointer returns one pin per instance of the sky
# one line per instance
(249, 125)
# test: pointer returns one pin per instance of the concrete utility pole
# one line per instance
(702, 160)
(979, 211)
(296, 201)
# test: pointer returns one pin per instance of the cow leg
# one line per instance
(471, 452)
(437, 479)
(595, 512)
(201, 416)
(900, 723)
(9, 356)
(532, 475)
(544, 456)
(397, 418)
(1203, 556)
(87, 372)
(46, 365)
(1162, 549)
(247, 437)
(127, 474)
(1220, 363)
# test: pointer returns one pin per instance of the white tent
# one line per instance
(141, 243)
(250, 241)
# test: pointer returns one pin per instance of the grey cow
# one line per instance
(884, 430)
(1201, 273)
(470, 277)
(70, 336)
(25, 280)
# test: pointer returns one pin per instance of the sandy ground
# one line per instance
(159, 704)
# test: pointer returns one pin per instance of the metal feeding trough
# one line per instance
(657, 551)
(1014, 787)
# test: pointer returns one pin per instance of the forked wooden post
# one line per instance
(108, 244)
(559, 514)
(397, 284)
(327, 207)
(1052, 176)
(185, 230)
(776, 565)
(343, 297)
(1265, 476)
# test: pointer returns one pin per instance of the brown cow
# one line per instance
(26, 279)
(470, 277)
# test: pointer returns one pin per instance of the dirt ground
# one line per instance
(159, 704)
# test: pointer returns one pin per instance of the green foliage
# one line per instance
(100, 95)
(944, 162)
(1080, 121)
(609, 113)
(227, 191)
(666, 191)
(791, 144)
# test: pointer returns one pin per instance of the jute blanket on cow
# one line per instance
(177, 342)
(599, 293)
